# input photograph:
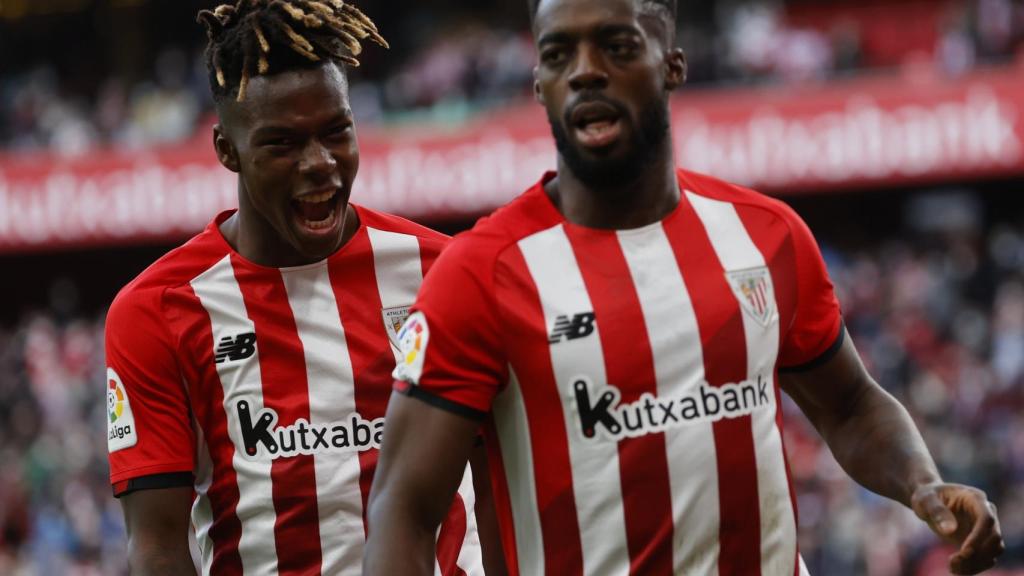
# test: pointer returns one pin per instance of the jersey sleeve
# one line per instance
(816, 332)
(150, 440)
(452, 355)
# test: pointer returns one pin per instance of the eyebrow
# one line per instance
(613, 29)
(271, 131)
(603, 31)
(554, 38)
(344, 116)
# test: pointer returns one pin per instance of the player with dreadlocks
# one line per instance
(249, 369)
(624, 329)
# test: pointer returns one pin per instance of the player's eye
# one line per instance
(553, 56)
(339, 132)
(280, 142)
(622, 48)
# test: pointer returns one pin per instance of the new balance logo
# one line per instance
(579, 326)
(240, 347)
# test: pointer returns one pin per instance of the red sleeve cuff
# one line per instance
(413, 391)
(153, 482)
(823, 356)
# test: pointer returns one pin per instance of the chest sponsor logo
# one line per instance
(753, 289)
(394, 319)
(572, 328)
(602, 415)
(121, 431)
(238, 347)
(263, 438)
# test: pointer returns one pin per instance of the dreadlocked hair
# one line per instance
(253, 37)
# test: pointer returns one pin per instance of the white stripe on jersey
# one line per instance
(202, 511)
(399, 270)
(517, 458)
(596, 478)
(470, 558)
(398, 266)
(737, 251)
(220, 295)
(331, 394)
(679, 369)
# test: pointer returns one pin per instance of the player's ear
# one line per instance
(536, 86)
(226, 152)
(675, 64)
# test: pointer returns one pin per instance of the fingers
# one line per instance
(958, 566)
(984, 543)
(984, 525)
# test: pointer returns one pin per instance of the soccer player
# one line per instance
(623, 330)
(249, 370)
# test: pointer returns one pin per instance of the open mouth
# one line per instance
(317, 211)
(597, 124)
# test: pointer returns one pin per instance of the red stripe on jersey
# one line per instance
(643, 464)
(449, 539)
(502, 499)
(354, 282)
(563, 550)
(286, 391)
(428, 253)
(226, 530)
(725, 359)
(780, 255)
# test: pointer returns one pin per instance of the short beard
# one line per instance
(611, 175)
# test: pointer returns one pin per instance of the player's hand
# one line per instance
(962, 515)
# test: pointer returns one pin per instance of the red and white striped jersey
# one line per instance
(629, 378)
(266, 389)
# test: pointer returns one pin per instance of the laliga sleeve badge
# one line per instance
(412, 344)
(121, 432)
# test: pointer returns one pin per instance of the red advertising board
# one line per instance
(863, 133)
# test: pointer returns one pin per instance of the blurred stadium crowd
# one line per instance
(937, 315)
(466, 62)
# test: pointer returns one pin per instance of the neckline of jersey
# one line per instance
(215, 229)
(638, 231)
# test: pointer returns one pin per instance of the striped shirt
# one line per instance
(629, 378)
(265, 389)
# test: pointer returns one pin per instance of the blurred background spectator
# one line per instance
(452, 58)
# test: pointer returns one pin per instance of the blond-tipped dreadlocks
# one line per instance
(252, 37)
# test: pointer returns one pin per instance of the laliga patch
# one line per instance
(753, 289)
(121, 431)
(412, 343)
(394, 319)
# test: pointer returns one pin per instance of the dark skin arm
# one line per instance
(874, 439)
(421, 463)
(158, 525)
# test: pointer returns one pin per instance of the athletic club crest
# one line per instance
(753, 289)
(394, 318)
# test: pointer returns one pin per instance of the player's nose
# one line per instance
(588, 72)
(316, 159)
